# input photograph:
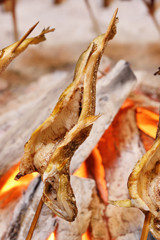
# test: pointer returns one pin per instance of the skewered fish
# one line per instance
(52, 145)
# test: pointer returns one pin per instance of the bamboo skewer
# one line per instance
(93, 19)
(34, 221)
(145, 229)
(58, 1)
(14, 19)
(106, 3)
(151, 11)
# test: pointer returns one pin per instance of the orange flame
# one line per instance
(95, 166)
(147, 121)
(99, 174)
(51, 237)
(86, 236)
(10, 189)
(81, 171)
(96, 170)
(128, 103)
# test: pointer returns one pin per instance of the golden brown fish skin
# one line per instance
(144, 179)
(155, 227)
(144, 187)
(60, 172)
(52, 145)
(88, 60)
(27, 164)
(8, 54)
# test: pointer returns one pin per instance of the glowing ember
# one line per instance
(81, 171)
(147, 121)
(11, 183)
(99, 173)
(127, 104)
(94, 166)
(51, 237)
(86, 236)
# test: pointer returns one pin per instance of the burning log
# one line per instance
(125, 148)
(98, 224)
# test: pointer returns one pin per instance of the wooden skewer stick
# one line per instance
(106, 3)
(24, 37)
(145, 229)
(58, 1)
(35, 219)
(14, 19)
(94, 20)
(151, 11)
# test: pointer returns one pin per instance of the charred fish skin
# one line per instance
(53, 143)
